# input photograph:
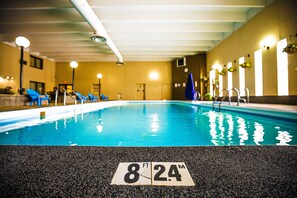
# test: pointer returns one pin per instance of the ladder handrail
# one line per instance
(82, 101)
(65, 92)
(228, 94)
(247, 91)
(56, 97)
(238, 95)
(222, 98)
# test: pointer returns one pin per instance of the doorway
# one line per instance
(140, 91)
(166, 91)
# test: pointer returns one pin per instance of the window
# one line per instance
(258, 73)
(230, 84)
(220, 82)
(67, 87)
(95, 89)
(282, 69)
(212, 76)
(241, 77)
(37, 86)
(36, 62)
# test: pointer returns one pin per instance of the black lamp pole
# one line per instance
(21, 70)
(99, 88)
(73, 71)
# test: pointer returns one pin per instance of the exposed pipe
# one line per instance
(88, 14)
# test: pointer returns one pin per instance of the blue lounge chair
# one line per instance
(36, 97)
(80, 97)
(92, 97)
(103, 97)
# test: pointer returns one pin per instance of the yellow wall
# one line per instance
(278, 20)
(9, 65)
(117, 79)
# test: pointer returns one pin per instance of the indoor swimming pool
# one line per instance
(150, 124)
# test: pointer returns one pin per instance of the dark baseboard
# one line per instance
(288, 100)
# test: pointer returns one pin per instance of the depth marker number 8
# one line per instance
(132, 168)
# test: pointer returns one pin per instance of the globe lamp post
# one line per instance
(99, 76)
(73, 65)
(22, 42)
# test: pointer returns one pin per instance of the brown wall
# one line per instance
(197, 66)
(117, 79)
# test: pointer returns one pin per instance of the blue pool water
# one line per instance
(156, 124)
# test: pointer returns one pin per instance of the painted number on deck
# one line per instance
(153, 173)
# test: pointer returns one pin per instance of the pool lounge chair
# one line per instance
(80, 97)
(36, 97)
(103, 97)
(92, 97)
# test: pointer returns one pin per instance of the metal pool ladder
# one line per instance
(229, 97)
(64, 98)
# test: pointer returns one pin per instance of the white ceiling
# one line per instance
(142, 30)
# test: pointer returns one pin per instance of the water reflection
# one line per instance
(212, 124)
(221, 128)
(154, 119)
(258, 133)
(99, 125)
(242, 133)
(65, 121)
(284, 138)
(231, 128)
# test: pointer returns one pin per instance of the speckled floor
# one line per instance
(243, 171)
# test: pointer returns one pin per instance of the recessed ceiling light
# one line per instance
(98, 39)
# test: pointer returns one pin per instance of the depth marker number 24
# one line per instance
(173, 172)
(132, 175)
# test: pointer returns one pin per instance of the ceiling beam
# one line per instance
(134, 37)
(163, 48)
(44, 28)
(147, 16)
(168, 42)
(201, 3)
(115, 26)
(27, 4)
(44, 16)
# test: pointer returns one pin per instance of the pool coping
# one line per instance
(271, 113)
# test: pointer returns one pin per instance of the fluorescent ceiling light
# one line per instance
(86, 11)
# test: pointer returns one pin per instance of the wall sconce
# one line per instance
(215, 67)
(154, 75)
(8, 77)
(267, 42)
